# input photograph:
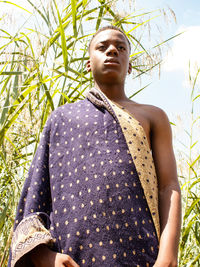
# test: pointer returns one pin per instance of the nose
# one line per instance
(112, 50)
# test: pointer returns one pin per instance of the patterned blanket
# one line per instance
(91, 190)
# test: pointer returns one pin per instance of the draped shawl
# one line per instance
(91, 190)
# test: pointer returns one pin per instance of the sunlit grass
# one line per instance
(43, 67)
(189, 252)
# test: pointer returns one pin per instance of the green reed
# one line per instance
(42, 66)
(189, 252)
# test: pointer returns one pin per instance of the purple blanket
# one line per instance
(83, 195)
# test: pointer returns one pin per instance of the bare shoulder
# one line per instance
(154, 115)
(160, 128)
(153, 119)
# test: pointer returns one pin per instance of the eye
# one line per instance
(121, 48)
(101, 47)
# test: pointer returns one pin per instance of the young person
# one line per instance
(102, 188)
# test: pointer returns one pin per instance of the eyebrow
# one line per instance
(115, 41)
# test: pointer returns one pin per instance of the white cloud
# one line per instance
(185, 49)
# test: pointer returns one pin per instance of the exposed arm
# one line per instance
(169, 190)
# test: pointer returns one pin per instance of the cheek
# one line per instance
(126, 64)
(95, 62)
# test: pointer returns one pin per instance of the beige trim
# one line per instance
(141, 154)
(29, 233)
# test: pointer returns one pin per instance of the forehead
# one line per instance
(109, 35)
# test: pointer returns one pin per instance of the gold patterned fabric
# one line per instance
(29, 233)
(140, 151)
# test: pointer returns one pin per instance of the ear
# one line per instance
(88, 67)
(129, 68)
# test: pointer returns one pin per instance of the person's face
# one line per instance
(109, 57)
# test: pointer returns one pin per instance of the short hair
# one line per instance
(109, 27)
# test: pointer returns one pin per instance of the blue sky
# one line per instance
(171, 91)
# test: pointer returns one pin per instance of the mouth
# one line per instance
(111, 61)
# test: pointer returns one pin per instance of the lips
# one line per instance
(112, 61)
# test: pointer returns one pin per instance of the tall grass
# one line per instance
(189, 252)
(42, 66)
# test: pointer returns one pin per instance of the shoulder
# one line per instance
(156, 115)
(153, 111)
(154, 119)
(160, 128)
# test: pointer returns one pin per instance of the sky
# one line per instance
(171, 91)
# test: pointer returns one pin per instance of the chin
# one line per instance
(108, 76)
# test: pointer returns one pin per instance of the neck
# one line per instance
(114, 92)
